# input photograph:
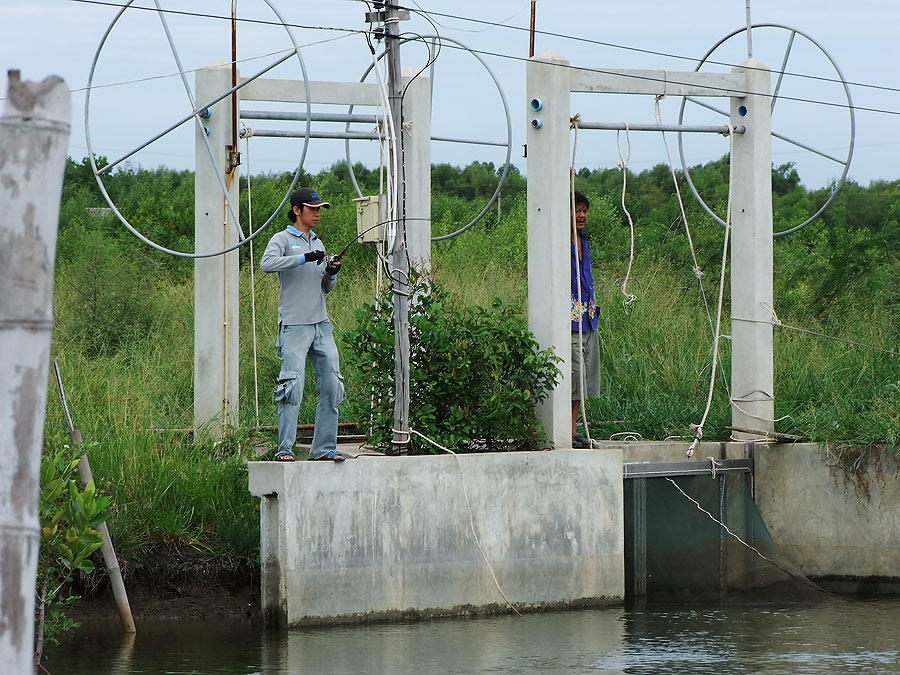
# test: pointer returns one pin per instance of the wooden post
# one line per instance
(34, 137)
(109, 553)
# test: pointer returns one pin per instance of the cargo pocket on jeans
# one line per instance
(284, 390)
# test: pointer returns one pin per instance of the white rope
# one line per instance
(471, 518)
(623, 164)
(698, 434)
(252, 279)
(798, 577)
(687, 230)
(573, 124)
(777, 323)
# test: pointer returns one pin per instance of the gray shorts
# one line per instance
(590, 355)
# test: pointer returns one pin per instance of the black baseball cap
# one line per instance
(307, 197)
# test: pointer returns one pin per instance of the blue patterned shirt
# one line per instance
(586, 311)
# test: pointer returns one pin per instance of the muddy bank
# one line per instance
(173, 585)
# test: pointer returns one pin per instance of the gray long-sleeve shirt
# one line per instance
(302, 297)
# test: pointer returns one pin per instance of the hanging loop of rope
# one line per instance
(574, 123)
(623, 164)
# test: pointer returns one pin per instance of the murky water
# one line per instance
(845, 637)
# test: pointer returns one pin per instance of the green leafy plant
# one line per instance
(476, 373)
(69, 518)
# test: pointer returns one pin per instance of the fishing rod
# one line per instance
(330, 260)
(353, 241)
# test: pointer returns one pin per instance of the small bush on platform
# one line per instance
(475, 373)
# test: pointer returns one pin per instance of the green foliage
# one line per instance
(123, 327)
(475, 373)
(69, 518)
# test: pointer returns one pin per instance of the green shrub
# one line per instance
(475, 373)
(69, 518)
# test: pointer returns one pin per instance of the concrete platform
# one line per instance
(390, 537)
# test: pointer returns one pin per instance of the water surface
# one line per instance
(830, 637)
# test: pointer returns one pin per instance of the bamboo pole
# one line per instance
(109, 553)
(34, 136)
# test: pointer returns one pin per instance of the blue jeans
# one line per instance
(296, 342)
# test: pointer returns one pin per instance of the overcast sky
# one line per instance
(43, 37)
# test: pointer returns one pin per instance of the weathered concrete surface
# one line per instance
(819, 522)
(34, 135)
(379, 537)
(674, 451)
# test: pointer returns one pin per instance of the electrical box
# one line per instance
(368, 217)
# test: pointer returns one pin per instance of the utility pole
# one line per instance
(399, 257)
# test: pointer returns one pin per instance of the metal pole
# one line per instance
(34, 135)
(399, 262)
(109, 553)
(531, 32)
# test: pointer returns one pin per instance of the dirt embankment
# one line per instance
(173, 585)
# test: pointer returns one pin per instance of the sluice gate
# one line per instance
(693, 534)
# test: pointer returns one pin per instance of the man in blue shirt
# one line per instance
(585, 341)
(297, 255)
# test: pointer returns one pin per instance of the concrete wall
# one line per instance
(817, 519)
(382, 537)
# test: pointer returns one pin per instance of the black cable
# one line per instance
(652, 52)
(518, 58)
(201, 15)
(670, 81)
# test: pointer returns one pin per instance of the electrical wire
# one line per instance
(517, 58)
(698, 429)
(652, 52)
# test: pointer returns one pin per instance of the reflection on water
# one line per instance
(831, 637)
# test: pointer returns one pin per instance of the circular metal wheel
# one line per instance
(438, 39)
(845, 162)
(197, 109)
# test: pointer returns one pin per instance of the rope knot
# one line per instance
(575, 121)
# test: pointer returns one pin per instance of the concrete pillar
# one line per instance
(417, 167)
(215, 279)
(34, 135)
(752, 360)
(548, 231)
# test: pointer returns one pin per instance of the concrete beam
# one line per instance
(657, 82)
(293, 91)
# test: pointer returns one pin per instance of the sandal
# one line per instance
(284, 456)
(331, 455)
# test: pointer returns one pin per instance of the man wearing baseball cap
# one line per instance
(298, 256)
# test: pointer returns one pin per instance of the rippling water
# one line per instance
(844, 637)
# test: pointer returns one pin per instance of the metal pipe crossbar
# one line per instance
(621, 126)
(283, 133)
(353, 135)
(302, 117)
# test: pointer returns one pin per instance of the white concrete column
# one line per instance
(417, 165)
(752, 360)
(215, 279)
(34, 135)
(548, 230)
